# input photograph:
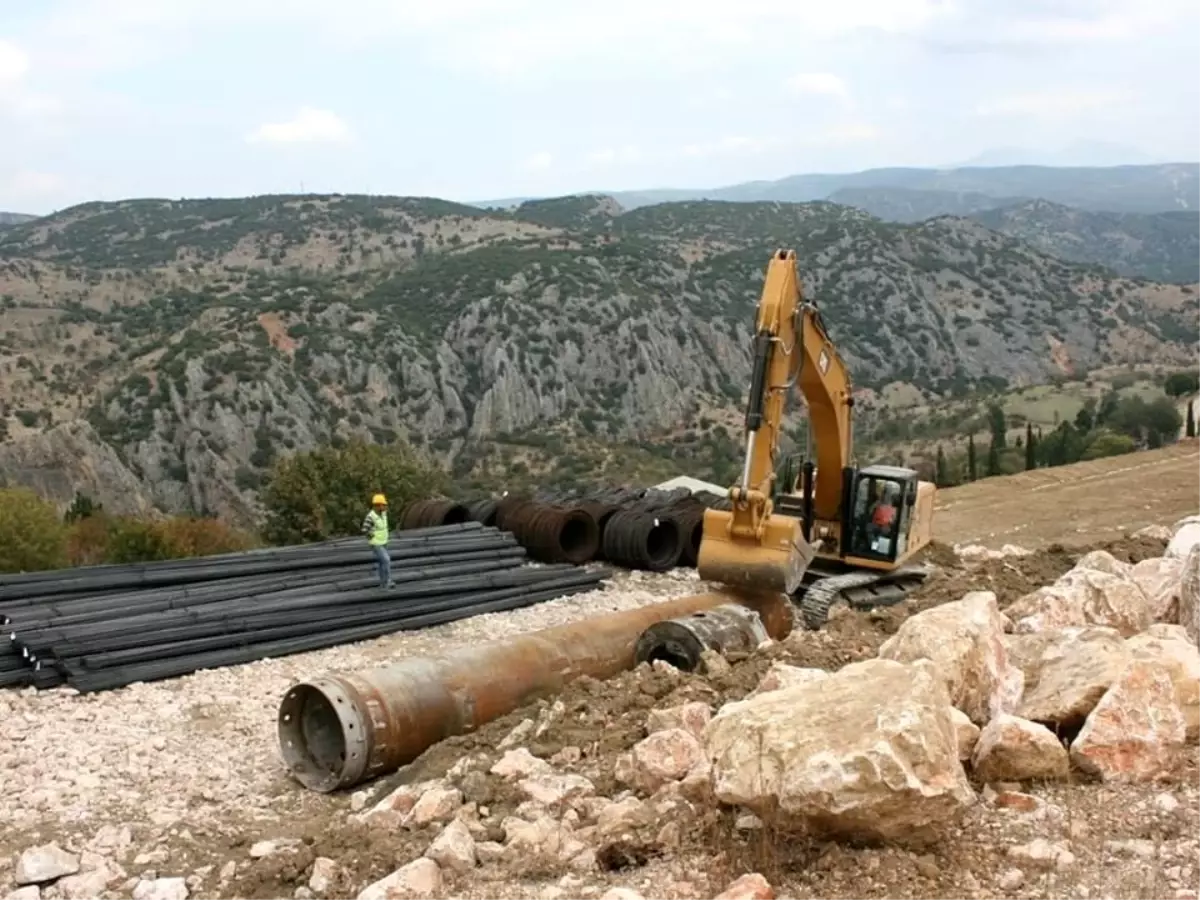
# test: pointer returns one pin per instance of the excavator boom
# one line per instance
(748, 546)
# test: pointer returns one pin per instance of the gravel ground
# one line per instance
(199, 745)
(180, 778)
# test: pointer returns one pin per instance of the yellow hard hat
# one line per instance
(379, 500)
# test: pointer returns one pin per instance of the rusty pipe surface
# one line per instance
(338, 731)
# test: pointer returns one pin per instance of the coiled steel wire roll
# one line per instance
(553, 534)
(426, 513)
(638, 539)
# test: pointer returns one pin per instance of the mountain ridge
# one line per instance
(1127, 188)
(197, 341)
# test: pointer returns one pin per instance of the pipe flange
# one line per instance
(322, 736)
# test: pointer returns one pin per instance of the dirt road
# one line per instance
(1074, 505)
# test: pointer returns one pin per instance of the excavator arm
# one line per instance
(749, 546)
(825, 385)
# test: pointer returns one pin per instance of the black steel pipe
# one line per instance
(109, 679)
(681, 641)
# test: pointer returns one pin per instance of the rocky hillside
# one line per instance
(201, 339)
(909, 205)
(1161, 246)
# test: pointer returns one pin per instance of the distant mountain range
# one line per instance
(9, 218)
(1133, 189)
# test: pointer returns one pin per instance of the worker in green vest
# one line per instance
(375, 529)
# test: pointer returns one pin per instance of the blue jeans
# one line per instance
(383, 564)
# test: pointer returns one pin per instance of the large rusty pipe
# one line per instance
(341, 730)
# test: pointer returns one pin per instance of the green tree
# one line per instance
(992, 463)
(1191, 420)
(998, 424)
(971, 464)
(136, 541)
(941, 476)
(1085, 419)
(82, 507)
(1108, 443)
(1180, 384)
(1108, 406)
(1030, 448)
(32, 536)
(1153, 423)
(325, 493)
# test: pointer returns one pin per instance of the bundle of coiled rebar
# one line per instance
(651, 529)
(431, 513)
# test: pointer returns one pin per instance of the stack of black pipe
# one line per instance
(102, 627)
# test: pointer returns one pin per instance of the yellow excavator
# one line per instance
(836, 531)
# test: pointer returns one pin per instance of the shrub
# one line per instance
(32, 536)
(325, 493)
(100, 538)
(186, 536)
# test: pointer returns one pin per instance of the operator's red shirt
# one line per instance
(884, 516)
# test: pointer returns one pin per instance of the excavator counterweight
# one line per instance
(749, 546)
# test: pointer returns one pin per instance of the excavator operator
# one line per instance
(883, 513)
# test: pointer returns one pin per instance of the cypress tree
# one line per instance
(971, 458)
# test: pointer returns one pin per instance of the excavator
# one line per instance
(835, 531)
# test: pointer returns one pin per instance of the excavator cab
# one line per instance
(882, 502)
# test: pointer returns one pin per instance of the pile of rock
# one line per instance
(91, 872)
(963, 701)
(876, 750)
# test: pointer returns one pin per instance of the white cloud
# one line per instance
(1055, 104)
(609, 156)
(846, 133)
(16, 97)
(540, 161)
(14, 63)
(822, 84)
(28, 182)
(307, 127)
(1098, 21)
(500, 36)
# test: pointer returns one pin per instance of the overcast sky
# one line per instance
(478, 99)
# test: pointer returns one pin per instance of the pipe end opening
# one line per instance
(318, 739)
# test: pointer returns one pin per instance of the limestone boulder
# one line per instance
(1184, 536)
(1103, 561)
(870, 752)
(1084, 597)
(1189, 595)
(1159, 578)
(1171, 646)
(1137, 730)
(1074, 670)
(691, 717)
(965, 641)
(781, 675)
(663, 757)
(1014, 749)
(419, 879)
(967, 732)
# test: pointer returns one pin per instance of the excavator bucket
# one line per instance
(775, 562)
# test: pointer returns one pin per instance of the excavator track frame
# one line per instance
(861, 589)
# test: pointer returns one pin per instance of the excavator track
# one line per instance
(860, 590)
